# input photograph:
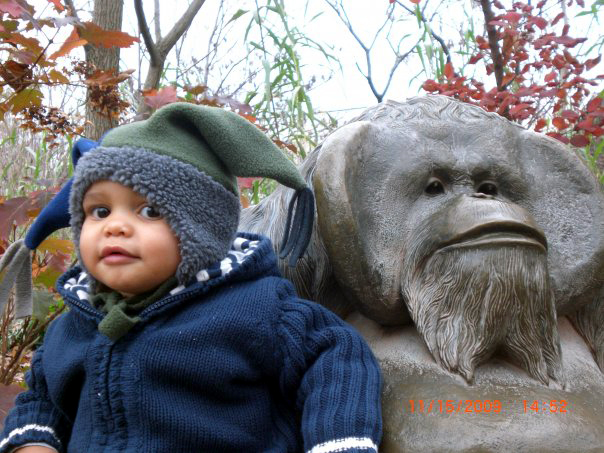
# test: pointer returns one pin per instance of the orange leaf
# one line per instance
(245, 202)
(100, 37)
(72, 42)
(541, 123)
(57, 5)
(560, 123)
(157, 98)
(449, 71)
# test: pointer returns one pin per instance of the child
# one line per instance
(181, 335)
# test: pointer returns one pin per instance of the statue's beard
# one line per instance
(468, 303)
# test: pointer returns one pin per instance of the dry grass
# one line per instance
(27, 163)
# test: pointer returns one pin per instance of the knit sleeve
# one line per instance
(334, 375)
(34, 419)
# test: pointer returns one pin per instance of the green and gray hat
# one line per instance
(185, 159)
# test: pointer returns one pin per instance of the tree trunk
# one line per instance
(108, 15)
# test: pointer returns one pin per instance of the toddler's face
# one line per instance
(125, 243)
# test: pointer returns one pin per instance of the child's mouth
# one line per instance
(116, 255)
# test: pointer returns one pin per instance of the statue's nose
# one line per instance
(482, 195)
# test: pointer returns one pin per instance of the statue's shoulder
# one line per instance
(429, 409)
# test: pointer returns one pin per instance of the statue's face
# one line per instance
(437, 228)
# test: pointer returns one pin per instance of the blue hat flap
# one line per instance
(15, 263)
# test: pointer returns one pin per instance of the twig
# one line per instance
(493, 44)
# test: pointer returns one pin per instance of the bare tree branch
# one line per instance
(342, 15)
(159, 51)
(426, 23)
(179, 27)
(144, 29)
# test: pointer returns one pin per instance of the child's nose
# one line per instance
(118, 226)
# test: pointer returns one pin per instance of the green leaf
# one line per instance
(237, 15)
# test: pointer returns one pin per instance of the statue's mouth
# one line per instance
(497, 233)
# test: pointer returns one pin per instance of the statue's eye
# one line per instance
(435, 187)
(487, 188)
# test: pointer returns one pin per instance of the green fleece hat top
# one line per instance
(185, 159)
(221, 144)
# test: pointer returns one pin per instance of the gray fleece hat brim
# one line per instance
(202, 214)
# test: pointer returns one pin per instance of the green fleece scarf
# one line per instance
(121, 311)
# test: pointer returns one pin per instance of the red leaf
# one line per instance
(559, 62)
(558, 137)
(100, 37)
(157, 98)
(430, 86)
(57, 5)
(512, 17)
(591, 63)
(551, 76)
(11, 7)
(557, 18)
(594, 105)
(559, 123)
(541, 123)
(568, 41)
(517, 109)
(570, 115)
(539, 22)
(449, 73)
(246, 183)
(579, 140)
(412, 1)
(13, 212)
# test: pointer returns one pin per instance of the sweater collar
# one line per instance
(247, 250)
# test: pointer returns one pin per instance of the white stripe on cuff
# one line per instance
(18, 431)
(341, 445)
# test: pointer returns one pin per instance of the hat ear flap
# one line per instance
(15, 263)
(81, 147)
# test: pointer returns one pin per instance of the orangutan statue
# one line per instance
(470, 254)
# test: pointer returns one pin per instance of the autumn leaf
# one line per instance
(158, 98)
(541, 123)
(26, 98)
(579, 140)
(58, 77)
(512, 17)
(560, 123)
(100, 37)
(57, 5)
(13, 212)
(71, 43)
(412, 1)
(449, 71)
(551, 76)
(245, 202)
(109, 77)
(54, 245)
(246, 183)
(12, 8)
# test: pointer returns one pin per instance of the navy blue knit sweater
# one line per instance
(234, 362)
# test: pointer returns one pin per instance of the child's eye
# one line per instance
(149, 212)
(100, 212)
